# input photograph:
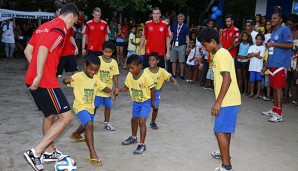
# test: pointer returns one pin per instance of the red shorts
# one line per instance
(277, 77)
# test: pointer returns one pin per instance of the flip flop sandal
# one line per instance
(95, 162)
(250, 96)
(81, 139)
(256, 97)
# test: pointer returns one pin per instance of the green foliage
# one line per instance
(141, 5)
(132, 5)
(241, 9)
(178, 3)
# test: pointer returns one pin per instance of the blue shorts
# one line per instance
(156, 100)
(84, 116)
(141, 109)
(130, 52)
(105, 101)
(225, 122)
(254, 76)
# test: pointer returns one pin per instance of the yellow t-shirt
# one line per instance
(223, 62)
(159, 77)
(266, 59)
(106, 73)
(83, 90)
(211, 61)
(139, 88)
(143, 48)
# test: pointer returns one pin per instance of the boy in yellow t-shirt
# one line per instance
(228, 99)
(108, 73)
(85, 86)
(138, 40)
(142, 92)
(159, 75)
(210, 75)
(265, 72)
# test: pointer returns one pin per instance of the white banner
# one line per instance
(9, 14)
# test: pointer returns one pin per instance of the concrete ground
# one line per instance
(183, 142)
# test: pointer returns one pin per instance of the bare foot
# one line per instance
(256, 96)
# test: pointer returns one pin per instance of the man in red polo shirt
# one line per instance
(157, 33)
(43, 54)
(230, 38)
(96, 30)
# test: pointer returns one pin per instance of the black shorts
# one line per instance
(241, 65)
(96, 53)
(121, 44)
(68, 63)
(50, 100)
(160, 64)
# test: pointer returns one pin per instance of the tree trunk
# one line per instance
(120, 18)
(206, 10)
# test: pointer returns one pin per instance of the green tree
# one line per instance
(133, 5)
(241, 9)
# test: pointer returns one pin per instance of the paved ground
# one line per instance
(183, 142)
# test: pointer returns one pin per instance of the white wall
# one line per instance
(261, 6)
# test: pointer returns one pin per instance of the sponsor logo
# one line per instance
(276, 37)
(288, 36)
(141, 85)
(42, 31)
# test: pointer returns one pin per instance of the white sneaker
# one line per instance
(216, 154)
(268, 113)
(221, 168)
(276, 118)
(51, 157)
(109, 126)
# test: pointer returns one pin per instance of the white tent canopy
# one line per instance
(9, 14)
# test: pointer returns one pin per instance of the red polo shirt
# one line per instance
(230, 36)
(68, 48)
(96, 32)
(53, 40)
(156, 34)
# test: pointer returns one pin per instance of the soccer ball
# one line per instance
(65, 163)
